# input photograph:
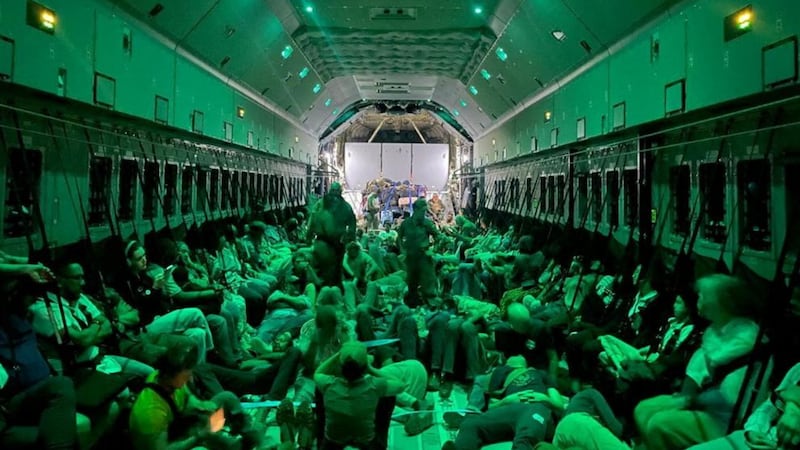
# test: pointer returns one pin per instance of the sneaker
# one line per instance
(306, 425)
(445, 390)
(433, 383)
(420, 420)
(286, 420)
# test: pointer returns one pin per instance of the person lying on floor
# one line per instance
(524, 409)
(589, 424)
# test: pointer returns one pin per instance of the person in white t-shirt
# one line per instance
(716, 371)
(86, 325)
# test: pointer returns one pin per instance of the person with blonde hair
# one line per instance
(714, 375)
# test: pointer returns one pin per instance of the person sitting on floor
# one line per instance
(167, 416)
(352, 391)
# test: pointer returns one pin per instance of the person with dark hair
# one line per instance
(168, 416)
(332, 225)
(37, 409)
(351, 390)
(527, 265)
(415, 236)
(522, 408)
(82, 323)
(148, 292)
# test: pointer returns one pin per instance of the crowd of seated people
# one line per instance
(346, 329)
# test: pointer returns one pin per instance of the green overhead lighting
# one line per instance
(463, 103)
(486, 75)
(501, 54)
(456, 113)
(287, 52)
(473, 90)
(335, 112)
(478, 10)
(317, 88)
(304, 73)
(328, 102)
(309, 9)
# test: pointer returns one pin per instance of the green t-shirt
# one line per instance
(350, 408)
(151, 415)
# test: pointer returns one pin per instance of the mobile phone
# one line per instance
(170, 268)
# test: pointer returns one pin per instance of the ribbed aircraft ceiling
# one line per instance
(315, 58)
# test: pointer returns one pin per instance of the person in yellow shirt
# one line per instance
(167, 416)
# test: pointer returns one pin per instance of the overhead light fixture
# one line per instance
(547, 116)
(317, 88)
(48, 19)
(739, 23)
(335, 112)
(303, 73)
(309, 9)
(559, 35)
(743, 19)
(501, 54)
(473, 90)
(486, 75)
(41, 17)
(456, 113)
(240, 112)
(328, 102)
(287, 51)
(296, 139)
(478, 10)
(463, 103)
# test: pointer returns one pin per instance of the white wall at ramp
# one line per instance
(362, 163)
(397, 161)
(430, 165)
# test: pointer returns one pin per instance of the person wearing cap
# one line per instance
(415, 236)
(333, 225)
(352, 391)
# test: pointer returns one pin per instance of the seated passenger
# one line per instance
(351, 391)
(652, 362)
(86, 325)
(147, 295)
(714, 376)
(773, 425)
(359, 267)
(39, 410)
(166, 415)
